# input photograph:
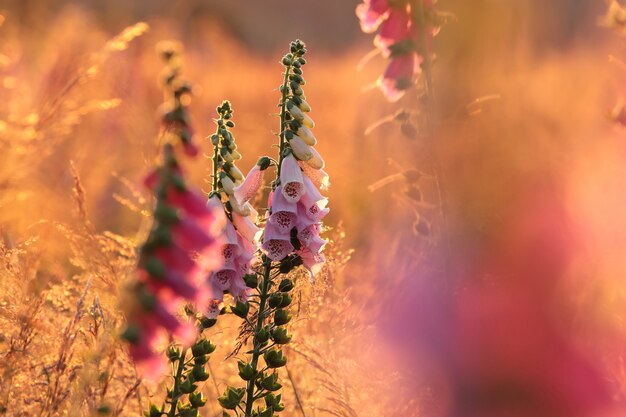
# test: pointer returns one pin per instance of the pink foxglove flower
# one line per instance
(231, 197)
(170, 273)
(400, 39)
(291, 179)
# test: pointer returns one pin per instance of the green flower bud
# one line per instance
(274, 358)
(245, 371)
(231, 398)
(153, 411)
(273, 401)
(275, 300)
(263, 335)
(268, 412)
(201, 360)
(199, 373)
(173, 354)
(197, 399)
(207, 323)
(286, 300)
(271, 383)
(251, 280)
(202, 347)
(230, 123)
(280, 336)
(285, 285)
(241, 309)
(281, 317)
(187, 387)
(264, 163)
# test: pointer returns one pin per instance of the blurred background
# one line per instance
(509, 302)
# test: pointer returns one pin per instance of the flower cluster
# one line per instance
(405, 32)
(230, 196)
(296, 206)
(182, 246)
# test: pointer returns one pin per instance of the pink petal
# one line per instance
(246, 227)
(250, 185)
(276, 245)
(291, 179)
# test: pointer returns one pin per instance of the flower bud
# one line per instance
(304, 106)
(263, 335)
(245, 371)
(226, 155)
(274, 358)
(285, 285)
(316, 162)
(271, 383)
(187, 387)
(241, 309)
(235, 173)
(173, 354)
(301, 150)
(251, 280)
(280, 336)
(199, 373)
(273, 401)
(285, 301)
(153, 411)
(306, 135)
(264, 163)
(307, 121)
(281, 317)
(275, 300)
(197, 400)
(227, 184)
(295, 111)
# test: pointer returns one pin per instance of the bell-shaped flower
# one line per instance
(250, 186)
(313, 262)
(319, 177)
(371, 14)
(246, 227)
(291, 179)
(283, 213)
(399, 75)
(276, 245)
(395, 28)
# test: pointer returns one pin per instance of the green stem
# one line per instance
(256, 352)
(176, 390)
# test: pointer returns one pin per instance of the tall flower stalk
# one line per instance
(181, 249)
(290, 239)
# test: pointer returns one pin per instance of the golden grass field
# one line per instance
(522, 103)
